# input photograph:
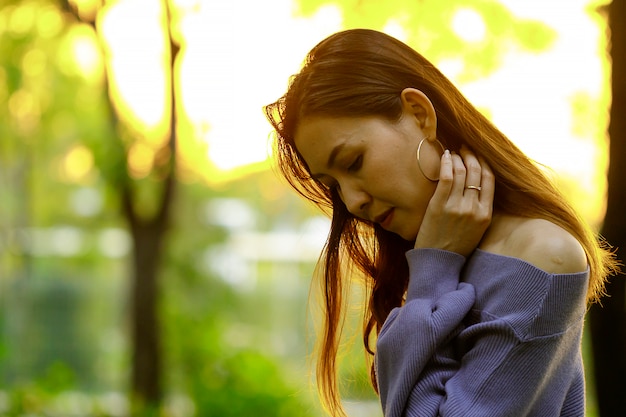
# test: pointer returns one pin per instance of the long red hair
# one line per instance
(362, 72)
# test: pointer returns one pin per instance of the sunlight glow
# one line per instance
(231, 65)
(228, 73)
(86, 53)
(531, 100)
(136, 48)
(80, 54)
(237, 56)
(469, 25)
(395, 29)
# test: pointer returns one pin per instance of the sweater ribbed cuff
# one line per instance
(433, 272)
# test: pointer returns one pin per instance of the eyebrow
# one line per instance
(331, 159)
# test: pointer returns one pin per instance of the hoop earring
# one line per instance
(419, 164)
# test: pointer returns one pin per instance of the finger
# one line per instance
(473, 177)
(459, 171)
(446, 176)
(488, 184)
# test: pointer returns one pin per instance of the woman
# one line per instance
(478, 270)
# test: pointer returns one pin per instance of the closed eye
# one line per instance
(329, 184)
(356, 164)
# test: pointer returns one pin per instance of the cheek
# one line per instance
(415, 217)
(419, 198)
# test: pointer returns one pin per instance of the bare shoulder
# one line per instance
(541, 243)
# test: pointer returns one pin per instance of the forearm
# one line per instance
(518, 351)
(420, 332)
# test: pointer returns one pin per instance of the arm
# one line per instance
(520, 349)
(432, 316)
(502, 362)
(415, 342)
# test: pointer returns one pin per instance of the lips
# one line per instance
(385, 219)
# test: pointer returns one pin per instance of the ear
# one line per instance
(417, 105)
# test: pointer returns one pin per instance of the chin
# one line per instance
(408, 236)
(403, 234)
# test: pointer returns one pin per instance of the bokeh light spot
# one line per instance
(140, 160)
(77, 163)
(469, 25)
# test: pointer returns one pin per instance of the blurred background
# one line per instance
(152, 263)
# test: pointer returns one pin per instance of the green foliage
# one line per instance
(63, 315)
(430, 29)
(44, 334)
(246, 383)
(217, 342)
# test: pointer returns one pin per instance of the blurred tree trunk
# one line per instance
(148, 233)
(608, 321)
(148, 237)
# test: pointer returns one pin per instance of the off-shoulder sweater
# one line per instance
(494, 336)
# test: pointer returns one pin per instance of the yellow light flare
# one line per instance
(469, 25)
(87, 54)
(136, 59)
(80, 54)
(49, 21)
(25, 111)
(34, 62)
(22, 104)
(140, 160)
(21, 18)
(77, 164)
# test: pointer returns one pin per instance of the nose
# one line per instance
(355, 198)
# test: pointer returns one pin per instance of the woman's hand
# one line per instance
(460, 210)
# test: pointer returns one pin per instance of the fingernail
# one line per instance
(446, 153)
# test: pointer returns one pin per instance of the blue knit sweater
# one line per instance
(495, 336)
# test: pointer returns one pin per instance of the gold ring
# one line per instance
(473, 187)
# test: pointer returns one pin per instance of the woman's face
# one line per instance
(372, 163)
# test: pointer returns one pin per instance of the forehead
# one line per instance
(327, 130)
(325, 127)
(316, 138)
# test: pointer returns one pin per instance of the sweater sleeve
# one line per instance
(518, 353)
(432, 316)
